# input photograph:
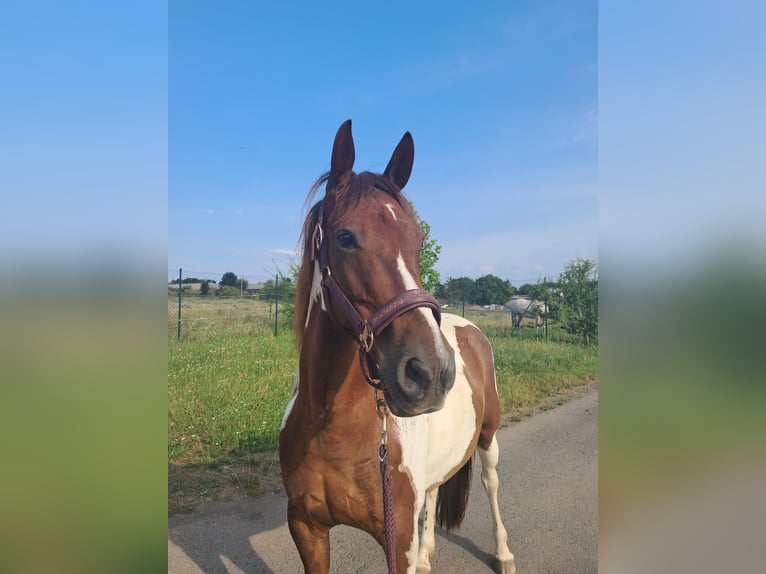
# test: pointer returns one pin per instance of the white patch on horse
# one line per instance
(391, 209)
(433, 444)
(410, 283)
(291, 402)
(316, 291)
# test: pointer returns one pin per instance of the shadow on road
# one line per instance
(234, 536)
(467, 545)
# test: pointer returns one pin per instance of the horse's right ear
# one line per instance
(342, 154)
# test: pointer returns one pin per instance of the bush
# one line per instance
(578, 312)
(228, 291)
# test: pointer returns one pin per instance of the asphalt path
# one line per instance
(548, 497)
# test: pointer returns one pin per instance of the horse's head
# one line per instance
(372, 240)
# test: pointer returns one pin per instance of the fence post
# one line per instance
(276, 304)
(180, 289)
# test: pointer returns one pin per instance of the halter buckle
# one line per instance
(366, 339)
(318, 237)
(382, 410)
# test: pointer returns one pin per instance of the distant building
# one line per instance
(254, 288)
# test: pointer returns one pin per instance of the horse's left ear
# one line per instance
(399, 167)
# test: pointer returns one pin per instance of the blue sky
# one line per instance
(682, 134)
(501, 100)
(83, 134)
(185, 138)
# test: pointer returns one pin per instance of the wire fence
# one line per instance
(264, 306)
(198, 304)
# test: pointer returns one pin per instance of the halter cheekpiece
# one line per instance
(364, 331)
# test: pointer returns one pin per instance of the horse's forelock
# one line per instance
(357, 186)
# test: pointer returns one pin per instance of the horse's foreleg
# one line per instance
(313, 545)
(504, 562)
(427, 538)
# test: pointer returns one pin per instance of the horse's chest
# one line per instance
(333, 443)
(433, 446)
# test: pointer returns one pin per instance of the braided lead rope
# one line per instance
(389, 524)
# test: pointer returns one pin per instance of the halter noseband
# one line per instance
(365, 331)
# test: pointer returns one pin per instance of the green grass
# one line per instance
(229, 378)
(530, 370)
(530, 367)
(228, 385)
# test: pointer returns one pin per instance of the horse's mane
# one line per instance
(349, 191)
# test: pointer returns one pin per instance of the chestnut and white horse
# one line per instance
(374, 349)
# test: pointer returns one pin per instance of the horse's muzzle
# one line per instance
(421, 384)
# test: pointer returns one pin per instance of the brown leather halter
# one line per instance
(365, 330)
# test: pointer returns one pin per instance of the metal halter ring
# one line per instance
(366, 339)
(382, 411)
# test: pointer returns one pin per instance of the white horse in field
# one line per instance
(521, 306)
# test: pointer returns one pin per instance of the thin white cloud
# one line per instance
(288, 252)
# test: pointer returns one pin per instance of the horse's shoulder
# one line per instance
(468, 337)
(452, 321)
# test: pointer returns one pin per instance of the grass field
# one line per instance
(229, 377)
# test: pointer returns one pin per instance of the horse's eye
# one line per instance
(346, 239)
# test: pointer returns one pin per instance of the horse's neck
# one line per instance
(329, 368)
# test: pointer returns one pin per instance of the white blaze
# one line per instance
(410, 283)
(391, 209)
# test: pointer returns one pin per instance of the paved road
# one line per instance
(548, 496)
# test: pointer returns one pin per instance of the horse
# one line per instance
(385, 411)
(521, 307)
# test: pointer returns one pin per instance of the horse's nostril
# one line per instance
(417, 372)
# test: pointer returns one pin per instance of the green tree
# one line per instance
(429, 255)
(286, 290)
(455, 289)
(440, 292)
(490, 290)
(579, 299)
(229, 279)
(546, 291)
(204, 289)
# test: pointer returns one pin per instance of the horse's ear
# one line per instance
(399, 167)
(342, 154)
